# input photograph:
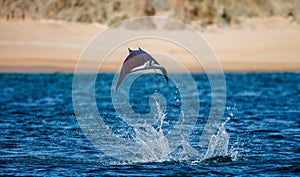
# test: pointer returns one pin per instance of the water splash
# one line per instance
(218, 144)
(154, 146)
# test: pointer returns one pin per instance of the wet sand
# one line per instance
(47, 46)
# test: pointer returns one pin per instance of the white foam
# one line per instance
(154, 146)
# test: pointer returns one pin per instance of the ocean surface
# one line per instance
(41, 134)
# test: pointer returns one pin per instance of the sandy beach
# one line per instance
(51, 46)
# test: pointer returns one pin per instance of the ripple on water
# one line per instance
(40, 134)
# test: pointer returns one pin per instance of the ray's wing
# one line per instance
(130, 63)
(161, 68)
(135, 60)
(164, 71)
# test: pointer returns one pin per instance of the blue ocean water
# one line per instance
(40, 135)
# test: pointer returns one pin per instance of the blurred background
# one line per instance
(198, 13)
(248, 35)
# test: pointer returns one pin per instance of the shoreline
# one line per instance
(49, 47)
